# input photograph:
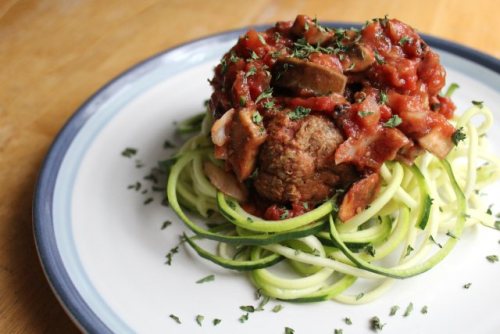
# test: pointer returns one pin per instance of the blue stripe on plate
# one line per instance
(43, 215)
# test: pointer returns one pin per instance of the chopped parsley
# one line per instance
(261, 39)
(380, 60)
(268, 93)
(233, 58)
(338, 331)
(370, 250)
(166, 224)
(129, 152)
(431, 238)
(458, 136)
(424, 310)
(383, 97)
(285, 214)
(375, 324)
(136, 186)
(168, 144)
(243, 318)
(363, 114)
(393, 122)
(175, 318)
(199, 319)
(173, 251)
(243, 101)
(257, 118)
(247, 308)
(405, 40)
(451, 235)
(478, 103)
(254, 56)
(289, 330)
(251, 72)
(263, 302)
(359, 295)
(206, 279)
(492, 258)
(348, 321)
(467, 285)
(277, 308)
(409, 249)
(298, 113)
(216, 321)
(408, 310)
(269, 104)
(394, 310)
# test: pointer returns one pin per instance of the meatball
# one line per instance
(296, 163)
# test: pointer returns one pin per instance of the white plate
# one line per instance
(103, 249)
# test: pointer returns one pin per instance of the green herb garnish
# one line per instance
(261, 39)
(243, 318)
(393, 122)
(348, 321)
(408, 310)
(359, 295)
(375, 324)
(129, 152)
(405, 40)
(166, 224)
(251, 71)
(383, 97)
(175, 318)
(216, 321)
(289, 330)
(394, 310)
(380, 60)
(478, 103)
(247, 308)
(206, 279)
(168, 144)
(424, 310)
(298, 113)
(277, 308)
(467, 285)
(363, 114)
(458, 136)
(492, 258)
(199, 319)
(268, 93)
(257, 118)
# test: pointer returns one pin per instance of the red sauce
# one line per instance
(393, 81)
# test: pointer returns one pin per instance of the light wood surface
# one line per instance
(55, 54)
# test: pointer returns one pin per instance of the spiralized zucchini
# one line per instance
(414, 222)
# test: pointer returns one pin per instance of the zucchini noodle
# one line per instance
(413, 223)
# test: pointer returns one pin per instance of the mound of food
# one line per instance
(302, 112)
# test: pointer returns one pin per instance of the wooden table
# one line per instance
(55, 54)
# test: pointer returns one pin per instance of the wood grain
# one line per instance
(55, 54)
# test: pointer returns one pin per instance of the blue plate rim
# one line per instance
(43, 228)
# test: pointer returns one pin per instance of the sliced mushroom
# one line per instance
(361, 57)
(246, 138)
(219, 131)
(359, 196)
(225, 181)
(305, 78)
(436, 142)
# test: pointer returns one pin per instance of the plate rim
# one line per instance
(43, 226)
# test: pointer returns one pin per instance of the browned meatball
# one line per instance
(296, 163)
